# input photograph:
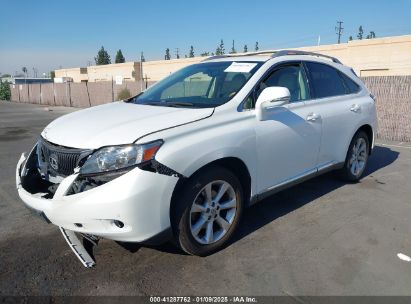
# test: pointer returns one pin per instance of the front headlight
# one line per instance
(120, 157)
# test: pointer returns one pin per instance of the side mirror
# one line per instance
(269, 98)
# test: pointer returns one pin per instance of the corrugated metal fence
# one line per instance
(71, 94)
(393, 95)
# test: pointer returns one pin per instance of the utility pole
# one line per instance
(141, 72)
(339, 30)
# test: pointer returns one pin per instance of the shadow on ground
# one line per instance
(289, 200)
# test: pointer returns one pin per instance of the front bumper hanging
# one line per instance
(85, 257)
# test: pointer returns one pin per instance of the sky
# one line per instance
(48, 35)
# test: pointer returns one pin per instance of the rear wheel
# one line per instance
(207, 211)
(357, 158)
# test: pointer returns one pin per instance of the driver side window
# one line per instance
(291, 77)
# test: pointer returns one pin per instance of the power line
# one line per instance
(339, 30)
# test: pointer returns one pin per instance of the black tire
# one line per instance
(346, 173)
(181, 216)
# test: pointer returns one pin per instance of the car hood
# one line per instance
(116, 123)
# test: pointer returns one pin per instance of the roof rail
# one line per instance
(275, 54)
(239, 55)
(293, 52)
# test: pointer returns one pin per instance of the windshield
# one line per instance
(201, 85)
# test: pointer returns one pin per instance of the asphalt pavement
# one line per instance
(323, 237)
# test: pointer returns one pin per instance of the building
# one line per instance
(29, 80)
(390, 56)
(128, 71)
(369, 57)
(71, 75)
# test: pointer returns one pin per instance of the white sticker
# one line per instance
(119, 80)
(240, 67)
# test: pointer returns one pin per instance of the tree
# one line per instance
(256, 46)
(5, 92)
(245, 48)
(220, 49)
(119, 57)
(102, 57)
(24, 70)
(142, 58)
(52, 75)
(191, 54)
(350, 39)
(371, 35)
(205, 54)
(233, 50)
(360, 34)
(167, 55)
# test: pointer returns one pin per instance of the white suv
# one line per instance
(187, 156)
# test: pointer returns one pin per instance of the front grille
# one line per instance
(58, 160)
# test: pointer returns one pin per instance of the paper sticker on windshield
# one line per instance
(240, 67)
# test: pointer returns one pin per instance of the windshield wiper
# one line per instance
(178, 104)
(175, 104)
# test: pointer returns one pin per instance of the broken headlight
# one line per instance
(116, 158)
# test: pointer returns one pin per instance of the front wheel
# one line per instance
(357, 158)
(207, 211)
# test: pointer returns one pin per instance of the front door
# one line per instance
(288, 140)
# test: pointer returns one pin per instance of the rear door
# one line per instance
(336, 100)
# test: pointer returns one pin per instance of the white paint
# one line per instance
(240, 67)
(194, 137)
(404, 257)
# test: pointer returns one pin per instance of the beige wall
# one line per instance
(76, 74)
(130, 71)
(157, 70)
(389, 56)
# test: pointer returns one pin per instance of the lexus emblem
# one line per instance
(53, 161)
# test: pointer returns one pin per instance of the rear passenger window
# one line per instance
(325, 80)
(350, 84)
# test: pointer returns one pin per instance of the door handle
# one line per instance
(313, 117)
(355, 108)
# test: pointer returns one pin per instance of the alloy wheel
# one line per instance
(358, 157)
(213, 212)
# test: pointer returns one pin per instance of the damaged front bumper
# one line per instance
(138, 199)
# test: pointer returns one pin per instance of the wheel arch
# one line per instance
(370, 134)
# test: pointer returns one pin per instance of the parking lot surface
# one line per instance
(323, 237)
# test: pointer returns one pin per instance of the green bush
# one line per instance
(5, 92)
(123, 94)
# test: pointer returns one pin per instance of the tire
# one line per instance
(358, 153)
(202, 225)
